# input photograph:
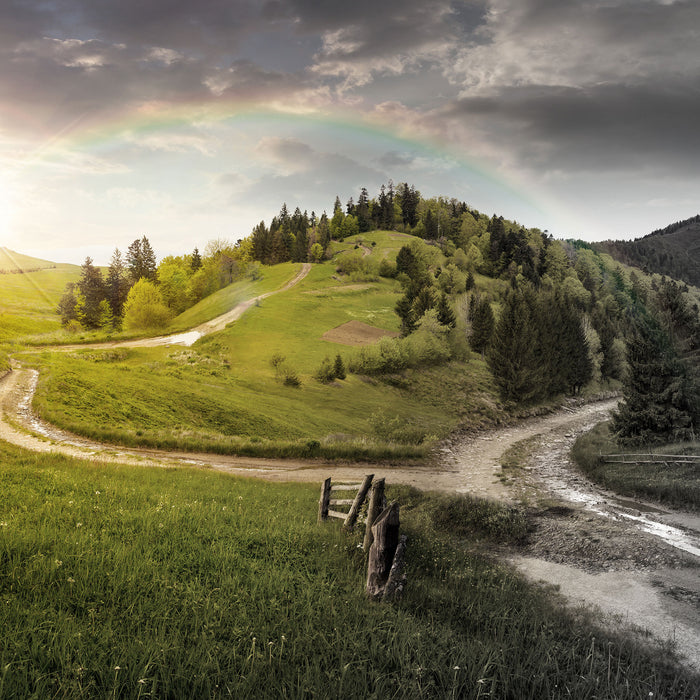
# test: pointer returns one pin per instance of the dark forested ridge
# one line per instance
(672, 251)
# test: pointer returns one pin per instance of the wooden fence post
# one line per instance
(325, 500)
(397, 578)
(381, 553)
(354, 511)
(375, 507)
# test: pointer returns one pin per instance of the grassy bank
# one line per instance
(127, 582)
(674, 484)
(224, 394)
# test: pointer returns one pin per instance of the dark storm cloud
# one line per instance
(202, 26)
(607, 127)
(566, 85)
(365, 38)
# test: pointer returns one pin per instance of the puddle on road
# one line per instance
(186, 339)
(574, 487)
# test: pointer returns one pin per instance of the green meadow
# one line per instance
(28, 300)
(224, 395)
(125, 582)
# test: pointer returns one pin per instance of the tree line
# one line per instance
(138, 293)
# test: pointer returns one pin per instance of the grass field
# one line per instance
(122, 582)
(674, 484)
(28, 301)
(224, 395)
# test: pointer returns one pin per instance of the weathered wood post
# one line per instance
(381, 553)
(325, 500)
(354, 511)
(397, 578)
(375, 507)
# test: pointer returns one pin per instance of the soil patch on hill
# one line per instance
(356, 333)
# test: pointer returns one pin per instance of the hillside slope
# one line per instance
(11, 261)
(673, 251)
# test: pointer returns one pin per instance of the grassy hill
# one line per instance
(12, 262)
(30, 289)
(223, 394)
(673, 251)
(133, 582)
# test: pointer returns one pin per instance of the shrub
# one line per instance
(144, 308)
(387, 268)
(289, 375)
(276, 360)
(339, 367)
(326, 372)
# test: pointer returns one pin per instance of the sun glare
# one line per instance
(5, 212)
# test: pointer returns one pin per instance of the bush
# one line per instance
(289, 376)
(387, 269)
(144, 308)
(326, 372)
(358, 267)
(389, 355)
(339, 367)
(466, 515)
(276, 360)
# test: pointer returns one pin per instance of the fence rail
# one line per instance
(385, 548)
(650, 459)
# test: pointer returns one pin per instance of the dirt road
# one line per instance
(639, 563)
(584, 546)
(194, 334)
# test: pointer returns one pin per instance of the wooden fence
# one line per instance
(650, 459)
(385, 547)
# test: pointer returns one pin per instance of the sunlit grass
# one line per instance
(224, 395)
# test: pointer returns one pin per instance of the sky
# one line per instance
(190, 121)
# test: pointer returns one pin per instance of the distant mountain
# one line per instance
(672, 251)
(10, 261)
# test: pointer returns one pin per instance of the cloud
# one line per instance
(363, 39)
(300, 174)
(575, 44)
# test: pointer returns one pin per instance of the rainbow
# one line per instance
(349, 125)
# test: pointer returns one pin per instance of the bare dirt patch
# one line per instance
(338, 289)
(357, 333)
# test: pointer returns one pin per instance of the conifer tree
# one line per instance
(512, 356)
(195, 260)
(339, 367)
(660, 399)
(92, 290)
(116, 284)
(482, 324)
(141, 260)
(445, 314)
